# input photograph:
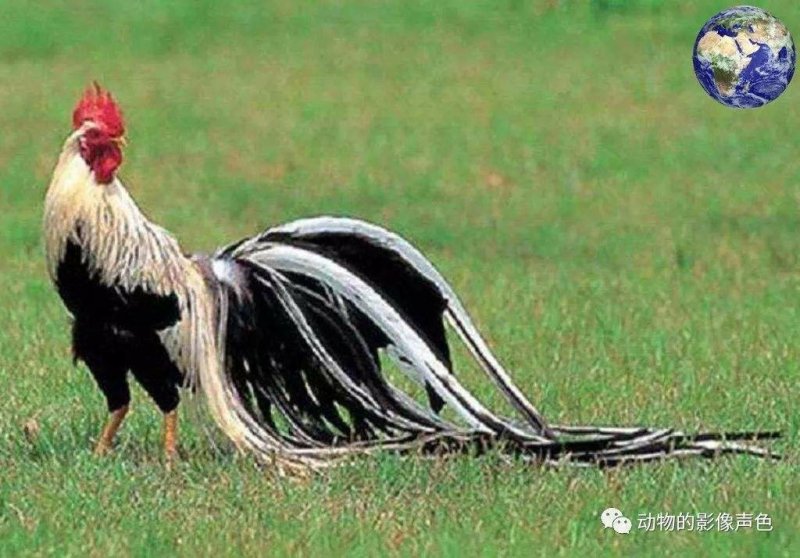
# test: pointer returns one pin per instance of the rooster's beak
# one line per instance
(121, 141)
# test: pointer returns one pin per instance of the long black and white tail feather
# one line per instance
(308, 308)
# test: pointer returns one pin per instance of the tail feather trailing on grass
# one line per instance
(284, 332)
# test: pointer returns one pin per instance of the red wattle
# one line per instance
(106, 165)
(103, 158)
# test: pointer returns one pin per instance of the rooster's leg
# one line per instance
(171, 435)
(103, 349)
(110, 430)
(157, 374)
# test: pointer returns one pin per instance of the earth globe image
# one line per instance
(744, 57)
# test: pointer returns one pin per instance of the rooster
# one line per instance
(288, 334)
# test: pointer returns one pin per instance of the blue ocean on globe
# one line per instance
(744, 57)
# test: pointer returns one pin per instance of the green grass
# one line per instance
(629, 247)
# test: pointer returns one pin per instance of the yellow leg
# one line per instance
(171, 435)
(110, 430)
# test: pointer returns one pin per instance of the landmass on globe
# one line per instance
(744, 57)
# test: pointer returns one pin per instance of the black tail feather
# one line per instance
(313, 304)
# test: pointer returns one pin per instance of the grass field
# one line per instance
(629, 247)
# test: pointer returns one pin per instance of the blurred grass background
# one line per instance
(629, 247)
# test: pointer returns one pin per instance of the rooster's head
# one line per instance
(103, 137)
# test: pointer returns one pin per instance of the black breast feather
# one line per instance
(89, 299)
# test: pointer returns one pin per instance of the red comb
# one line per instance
(99, 106)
